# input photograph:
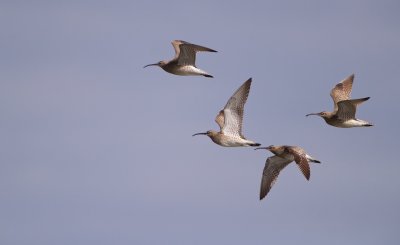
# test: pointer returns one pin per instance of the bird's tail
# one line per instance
(254, 144)
(363, 123)
(315, 160)
(310, 159)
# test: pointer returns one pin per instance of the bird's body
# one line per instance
(183, 63)
(230, 120)
(343, 115)
(349, 123)
(283, 156)
(229, 140)
(184, 70)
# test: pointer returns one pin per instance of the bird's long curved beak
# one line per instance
(315, 114)
(200, 134)
(264, 148)
(155, 64)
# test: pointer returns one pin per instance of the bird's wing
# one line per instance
(342, 91)
(233, 111)
(347, 108)
(300, 157)
(176, 44)
(185, 52)
(220, 119)
(273, 167)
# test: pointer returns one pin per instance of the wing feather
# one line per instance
(273, 167)
(347, 108)
(234, 109)
(300, 157)
(342, 91)
(185, 52)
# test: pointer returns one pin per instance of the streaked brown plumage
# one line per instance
(284, 155)
(184, 61)
(230, 120)
(343, 115)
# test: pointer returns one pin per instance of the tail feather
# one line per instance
(254, 144)
(207, 75)
(311, 159)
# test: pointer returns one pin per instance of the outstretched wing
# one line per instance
(273, 167)
(233, 111)
(300, 157)
(185, 52)
(342, 91)
(347, 108)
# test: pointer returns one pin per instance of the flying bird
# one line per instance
(343, 115)
(230, 120)
(284, 155)
(184, 61)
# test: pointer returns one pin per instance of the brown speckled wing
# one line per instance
(273, 167)
(186, 52)
(234, 109)
(300, 157)
(347, 108)
(342, 91)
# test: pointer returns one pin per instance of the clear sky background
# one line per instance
(94, 149)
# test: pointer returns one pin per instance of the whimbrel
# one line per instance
(284, 155)
(343, 115)
(184, 61)
(230, 120)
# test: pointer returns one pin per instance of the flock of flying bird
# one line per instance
(230, 118)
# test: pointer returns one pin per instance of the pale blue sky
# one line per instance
(94, 149)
